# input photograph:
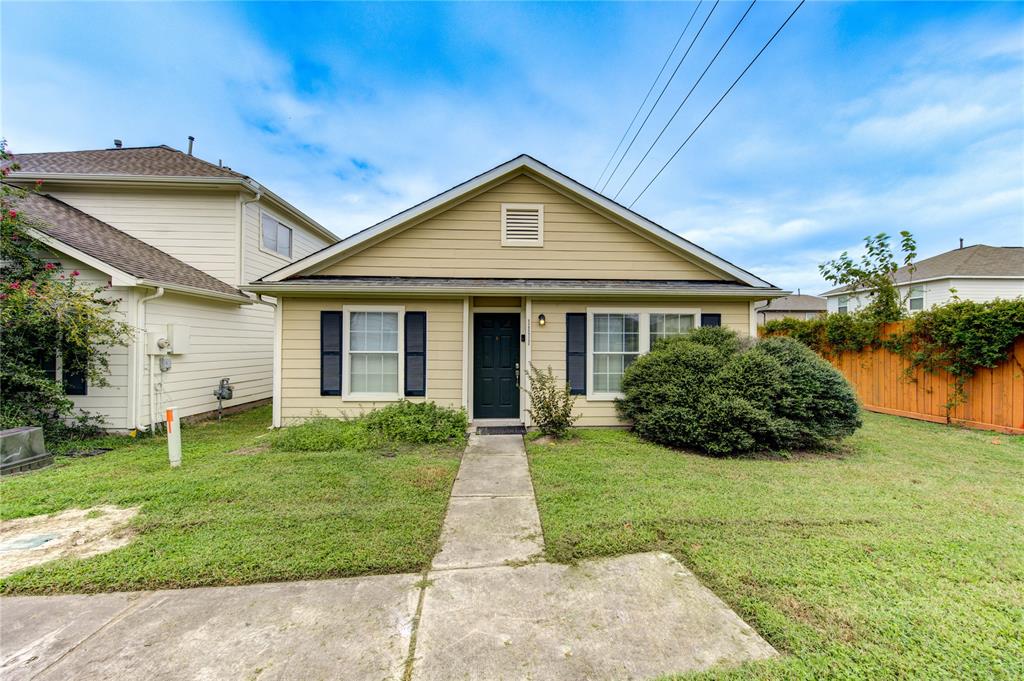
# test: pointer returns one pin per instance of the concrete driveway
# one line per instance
(489, 608)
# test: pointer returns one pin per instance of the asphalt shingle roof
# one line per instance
(104, 242)
(794, 303)
(159, 161)
(970, 261)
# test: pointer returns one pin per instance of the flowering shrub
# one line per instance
(46, 314)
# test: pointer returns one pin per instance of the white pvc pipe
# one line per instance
(143, 323)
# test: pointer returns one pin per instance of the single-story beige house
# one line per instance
(451, 299)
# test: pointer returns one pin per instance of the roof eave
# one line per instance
(320, 287)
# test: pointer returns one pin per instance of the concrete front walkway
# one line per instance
(489, 608)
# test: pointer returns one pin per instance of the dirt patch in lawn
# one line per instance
(75, 533)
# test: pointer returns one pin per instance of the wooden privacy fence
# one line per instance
(994, 397)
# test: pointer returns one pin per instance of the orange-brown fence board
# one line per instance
(994, 397)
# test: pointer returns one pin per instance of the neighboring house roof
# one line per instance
(479, 284)
(795, 303)
(162, 164)
(160, 161)
(69, 226)
(970, 262)
(651, 230)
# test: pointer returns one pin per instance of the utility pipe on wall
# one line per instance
(143, 324)
(257, 195)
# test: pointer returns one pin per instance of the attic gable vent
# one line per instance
(522, 224)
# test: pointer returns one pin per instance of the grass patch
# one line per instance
(237, 512)
(902, 556)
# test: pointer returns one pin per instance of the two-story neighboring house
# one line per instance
(979, 273)
(174, 237)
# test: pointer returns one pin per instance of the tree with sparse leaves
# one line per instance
(48, 318)
(873, 275)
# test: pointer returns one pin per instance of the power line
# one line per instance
(665, 87)
(687, 97)
(694, 132)
(648, 95)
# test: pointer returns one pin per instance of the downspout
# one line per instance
(275, 389)
(257, 195)
(143, 325)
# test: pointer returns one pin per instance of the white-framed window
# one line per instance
(373, 367)
(617, 336)
(276, 237)
(666, 324)
(522, 224)
(916, 300)
(844, 304)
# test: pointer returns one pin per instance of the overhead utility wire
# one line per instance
(679, 108)
(694, 132)
(648, 95)
(664, 87)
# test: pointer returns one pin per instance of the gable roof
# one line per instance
(80, 231)
(646, 227)
(158, 161)
(795, 303)
(157, 164)
(971, 262)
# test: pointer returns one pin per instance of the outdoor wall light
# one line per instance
(541, 320)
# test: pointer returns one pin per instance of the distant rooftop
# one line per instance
(970, 261)
(795, 303)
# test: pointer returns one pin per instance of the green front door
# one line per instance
(495, 365)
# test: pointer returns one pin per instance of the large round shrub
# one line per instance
(713, 391)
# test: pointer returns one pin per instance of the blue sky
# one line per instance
(860, 118)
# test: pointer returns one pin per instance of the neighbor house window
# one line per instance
(373, 352)
(616, 345)
(277, 237)
(916, 301)
(844, 304)
(665, 324)
(617, 337)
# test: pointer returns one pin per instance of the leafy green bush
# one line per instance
(401, 423)
(714, 392)
(416, 423)
(551, 404)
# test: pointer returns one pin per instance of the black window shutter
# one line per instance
(576, 352)
(416, 354)
(711, 320)
(330, 353)
(48, 363)
(73, 374)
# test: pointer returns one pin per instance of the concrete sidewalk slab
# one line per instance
(633, 617)
(494, 445)
(493, 476)
(355, 628)
(482, 531)
(36, 631)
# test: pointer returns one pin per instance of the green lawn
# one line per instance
(901, 557)
(236, 513)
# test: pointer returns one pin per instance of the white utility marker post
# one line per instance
(173, 438)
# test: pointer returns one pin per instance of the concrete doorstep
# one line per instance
(489, 608)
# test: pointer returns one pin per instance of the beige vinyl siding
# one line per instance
(465, 241)
(300, 356)
(548, 342)
(197, 226)
(227, 341)
(258, 261)
(109, 402)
